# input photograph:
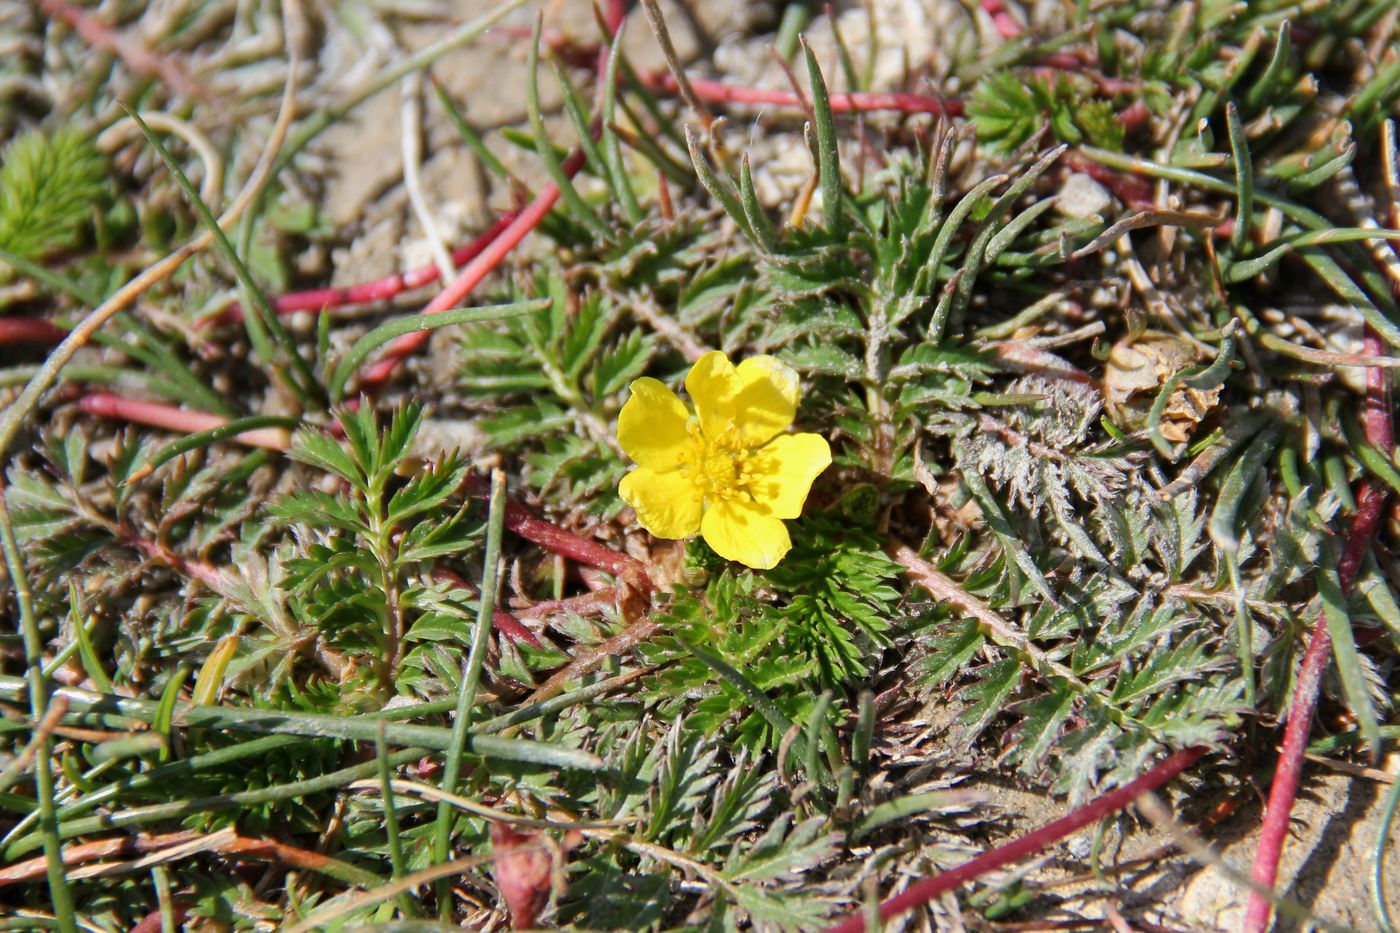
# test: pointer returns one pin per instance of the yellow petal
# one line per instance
(766, 404)
(666, 504)
(743, 532)
(713, 383)
(651, 428)
(784, 471)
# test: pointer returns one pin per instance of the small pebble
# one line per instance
(1082, 197)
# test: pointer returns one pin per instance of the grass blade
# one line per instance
(469, 134)
(753, 210)
(263, 323)
(471, 677)
(577, 111)
(50, 832)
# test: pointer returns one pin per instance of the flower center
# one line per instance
(717, 466)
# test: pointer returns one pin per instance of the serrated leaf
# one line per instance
(824, 360)
(988, 695)
(325, 453)
(428, 489)
(953, 646)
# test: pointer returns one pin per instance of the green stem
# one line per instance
(391, 818)
(471, 679)
(179, 809)
(97, 709)
(59, 894)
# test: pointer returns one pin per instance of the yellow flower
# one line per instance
(727, 471)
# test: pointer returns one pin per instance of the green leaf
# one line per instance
(722, 190)
(988, 696)
(49, 187)
(1040, 729)
(902, 808)
(954, 645)
(325, 453)
(824, 360)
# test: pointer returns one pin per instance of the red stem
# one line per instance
(207, 574)
(565, 543)
(318, 299)
(1132, 190)
(179, 420)
(30, 330)
(505, 623)
(924, 891)
(152, 922)
(496, 251)
(471, 276)
(1007, 26)
(562, 541)
(33, 330)
(1134, 115)
(717, 92)
(1370, 508)
(583, 604)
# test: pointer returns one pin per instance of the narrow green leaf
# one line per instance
(130, 746)
(221, 433)
(471, 674)
(38, 273)
(1268, 82)
(722, 190)
(1244, 180)
(1325, 266)
(760, 700)
(391, 819)
(1159, 407)
(1219, 370)
(389, 330)
(1224, 516)
(753, 210)
(165, 709)
(469, 135)
(87, 654)
(550, 159)
(577, 110)
(975, 258)
(612, 147)
(902, 808)
(1246, 269)
(1380, 887)
(828, 155)
(949, 229)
